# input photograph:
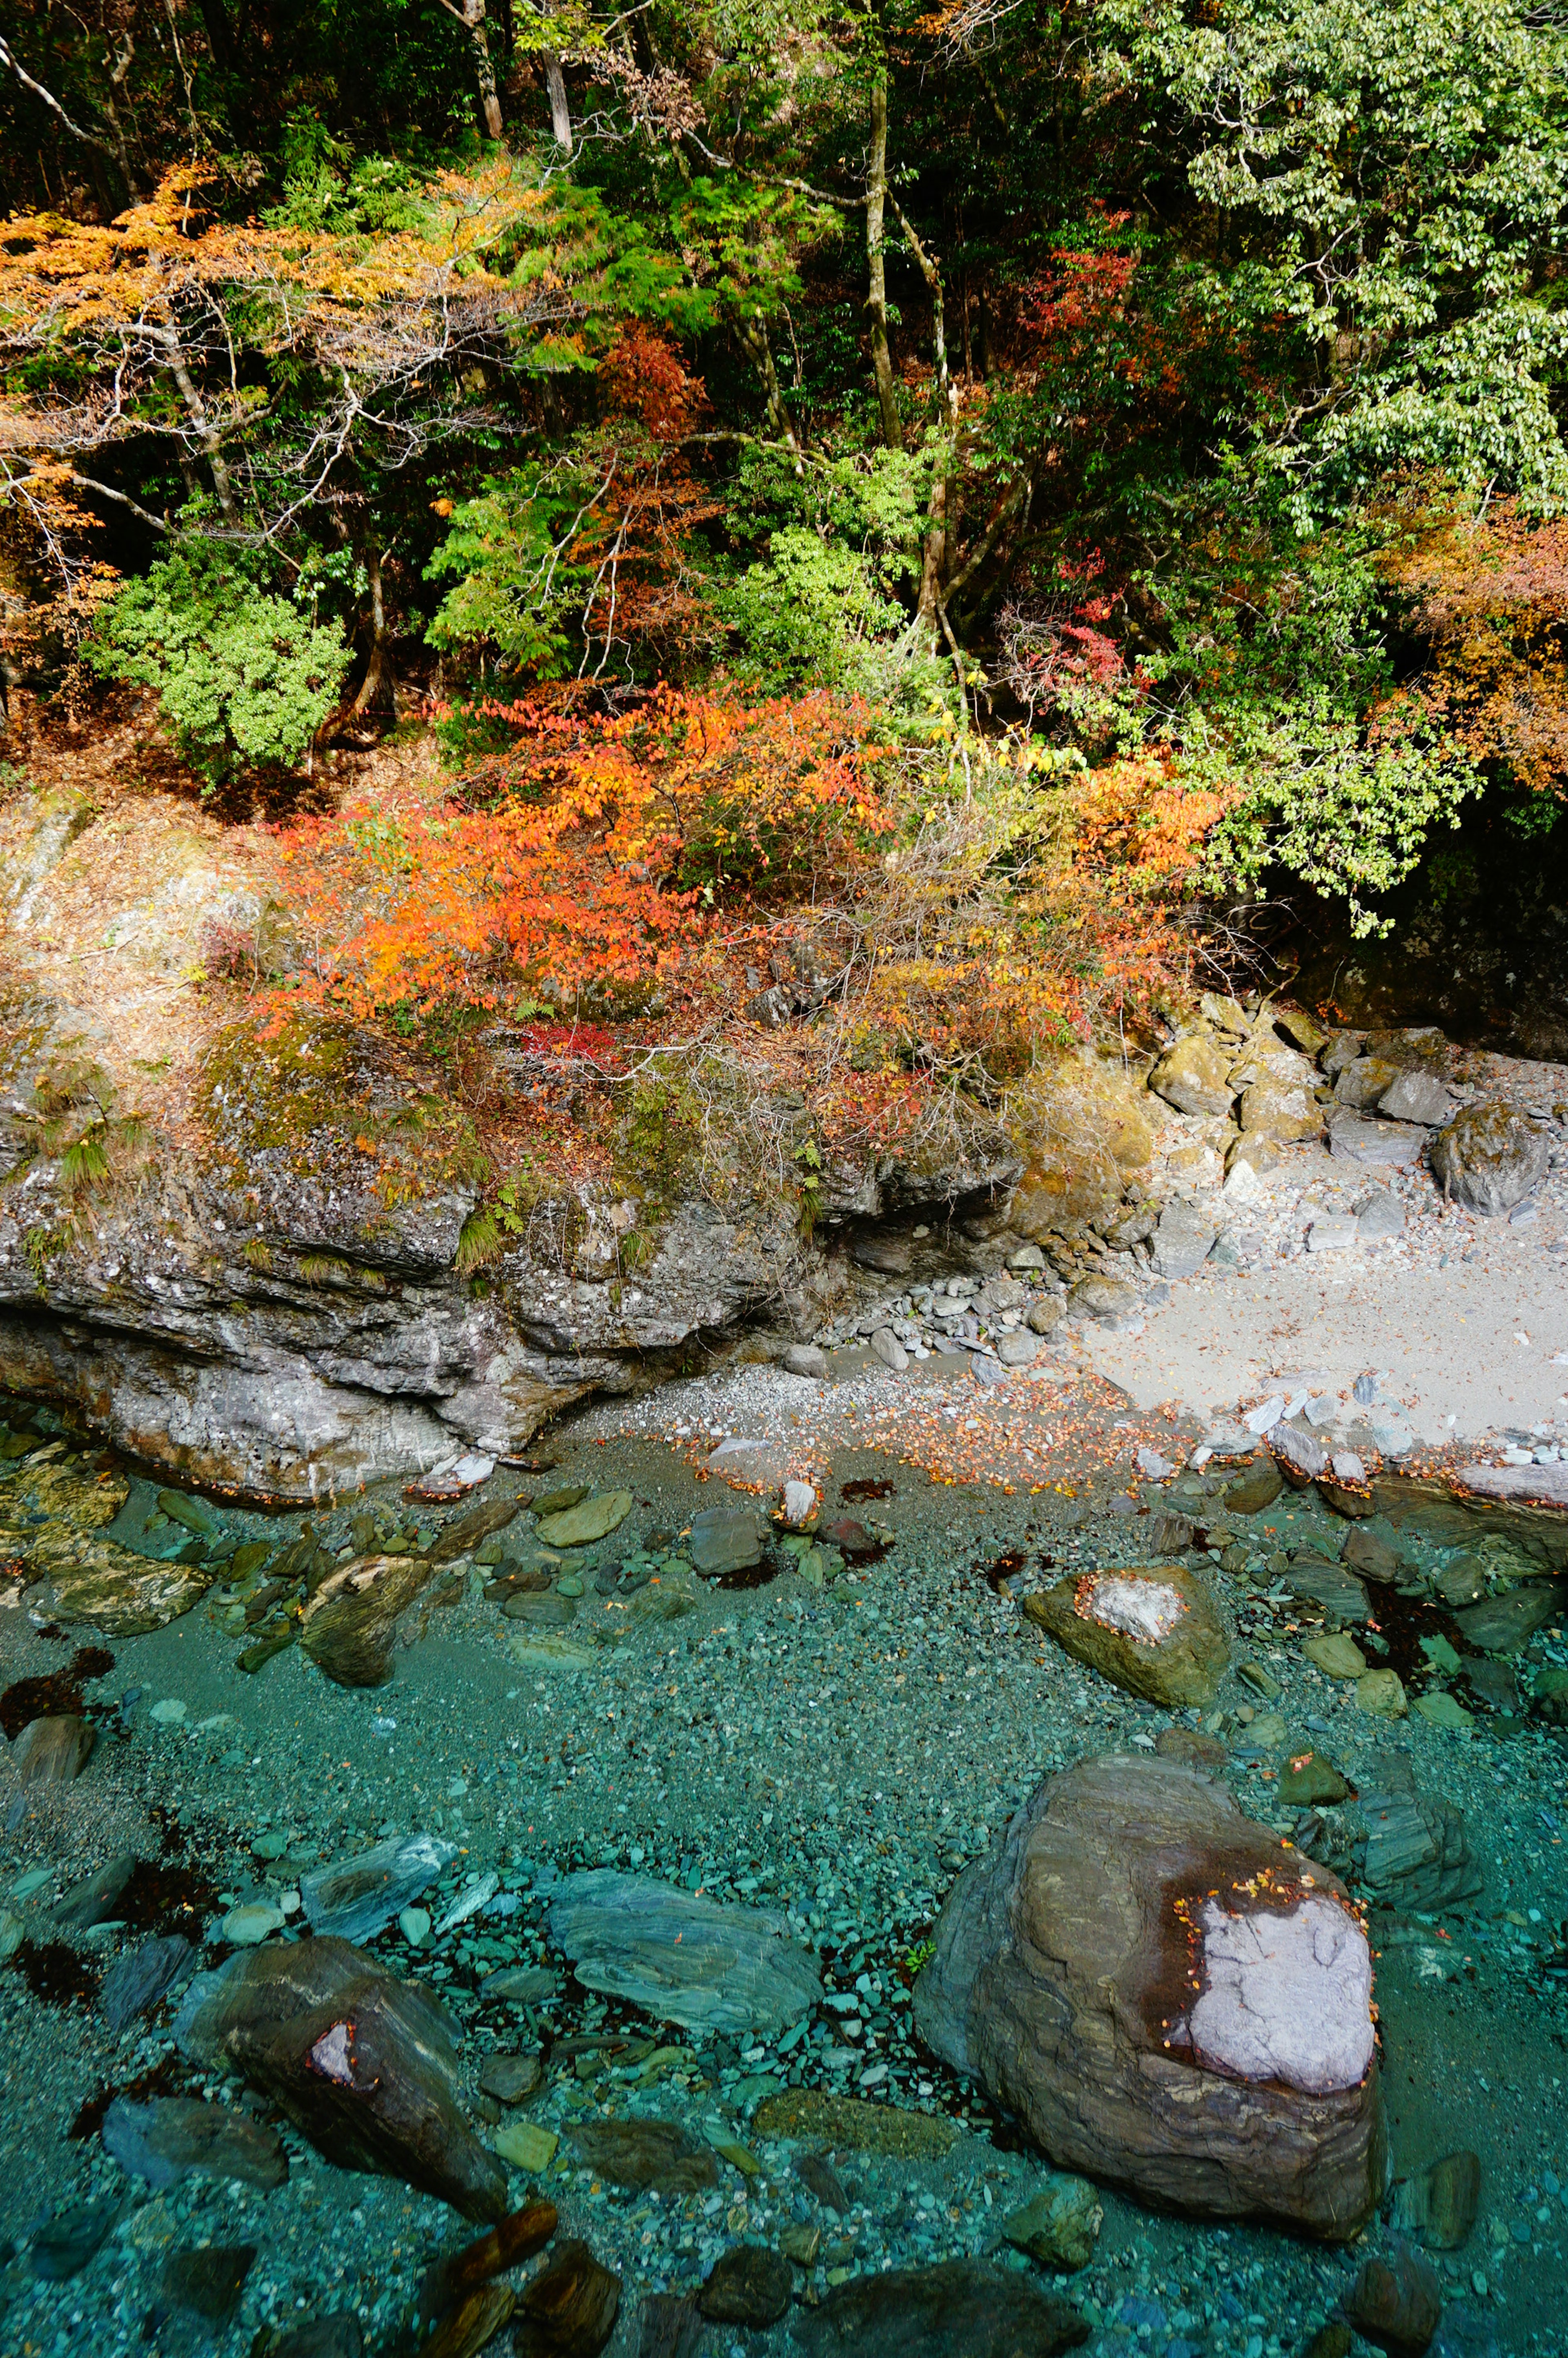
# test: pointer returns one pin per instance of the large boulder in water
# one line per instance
(1168, 1998)
(365, 2065)
(1152, 1629)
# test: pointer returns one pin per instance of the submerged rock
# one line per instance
(52, 1751)
(960, 2308)
(748, 2286)
(1418, 1855)
(725, 1540)
(55, 1518)
(582, 1525)
(177, 2138)
(1396, 2302)
(1501, 1625)
(1060, 2225)
(570, 2311)
(1153, 1630)
(357, 1897)
(366, 2066)
(352, 1621)
(642, 2154)
(1064, 1982)
(682, 1957)
(1439, 2205)
(208, 2281)
(140, 1976)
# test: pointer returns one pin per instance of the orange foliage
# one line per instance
(605, 844)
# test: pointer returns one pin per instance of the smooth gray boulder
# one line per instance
(1168, 1998)
(1417, 1097)
(356, 1898)
(682, 1957)
(1183, 1240)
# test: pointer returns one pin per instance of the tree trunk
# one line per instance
(560, 110)
(378, 671)
(206, 433)
(877, 296)
(754, 332)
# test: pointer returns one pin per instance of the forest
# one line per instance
(1036, 487)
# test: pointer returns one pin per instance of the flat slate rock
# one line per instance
(643, 2153)
(851, 2124)
(1418, 1855)
(591, 1519)
(1340, 1593)
(1501, 1625)
(960, 2308)
(521, 1985)
(724, 1540)
(177, 2138)
(681, 1957)
(208, 2281)
(357, 1897)
(1356, 1139)
(140, 1976)
(749, 2286)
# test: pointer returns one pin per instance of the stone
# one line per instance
(521, 1985)
(256, 1920)
(56, 1519)
(415, 1924)
(749, 2286)
(1340, 1593)
(1440, 1709)
(644, 2154)
(1493, 1684)
(1501, 1625)
(1280, 1109)
(1461, 1581)
(1308, 1779)
(453, 1479)
(350, 1622)
(1383, 1694)
(473, 2324)
(987, 1371)
(1418, 1856)
(851, 2124)
(526, 2145)
(1108, 1301)
(1439, 2205)
(364, 2065)
(1416, 1096)
(1193, 1076)
(1064, 1980)
(1191, 1745)
(177, 2138)
(1026, 1256)
(1060, 2225)
(570, 2310)
(682, 1957)
(511, 2242)
(669, 2325)
(51, 1751)
(960, 2309)
(65, 2242)
(1366, 1553)
(1361, 1084)
(594, 1519)
(551, 1651)
(806, 1359)
(471, 1531)
(1396, 2302)
(1381, 1214)
(1300, 1456)
(1167, 1534)
(13, 1932)
(547, 1610)
(357, 1897)
(94, 1900)
(819, 2178)
(1043, 1317)
(1489, 1158)
(556, 1501)
(886, 1347)
(1017, 1350)
(510, 2078)
(1333, 1232)
(1184, 1240)
(725, 1540)
(208, 2280)
(336, 2336)
(1255, 1490)
(1153, 1630)
(1392, 1145)
(799, 1504)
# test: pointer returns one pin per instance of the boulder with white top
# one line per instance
(1169, 1999)
(1152, 1629)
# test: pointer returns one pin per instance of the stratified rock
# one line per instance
(594, 1519)
(749, 2286)
(1501, 1625)
(570, 2310)
(1338, 1591)
(1060, 2225)
(356, 1898)
(55, 1517)
(1418, 1856)
(521, 1985)
(1193, 1076)
(208, 2280)
(1489, 1157)
(1419, 1097)
(1064, 1980)
(1256, 1489)
(1183, 1240)
(140, 1976)
(669, 2326)
(471, 1531)
(960, 2308)
(681, 1957)
(1393, 1144)
(93, 1899)
(642, 2154)
(351, 1622)
(1153, 1630)
(51, 1751)
(510, 2078)
(177, 2136)
(510, 2242)
(1191, 1747)
(365, 2065)
(1362, 1083)
(1279, 1103)
(1463, 1581)
(724, 1540)
(1396, 2302)
(1439, 2205)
